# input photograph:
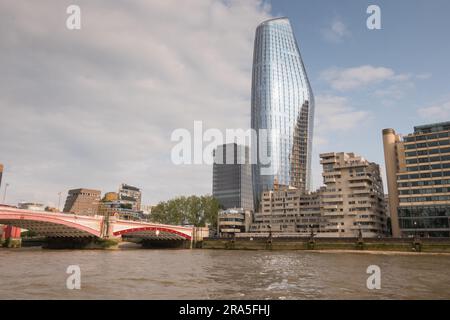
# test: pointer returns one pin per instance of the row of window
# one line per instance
(437, 166)
(427, 152)
(427, 137)
(430, 159)
(424, 191)
(425, 199)
(429, 144)
(424, 211)
(423, 183)
(423, 175)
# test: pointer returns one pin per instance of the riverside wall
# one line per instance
(431, 245)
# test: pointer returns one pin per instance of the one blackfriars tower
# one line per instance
(283, 105)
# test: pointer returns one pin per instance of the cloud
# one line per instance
(336, 120)
(357, 77)
(335, 113)
(336, 32)
(439, 112)
(96, 107)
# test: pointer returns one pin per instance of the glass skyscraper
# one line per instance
(283, 104)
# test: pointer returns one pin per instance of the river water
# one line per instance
(33, 273)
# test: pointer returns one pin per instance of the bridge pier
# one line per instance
(161, 244)
(11, 237)
(80, 243)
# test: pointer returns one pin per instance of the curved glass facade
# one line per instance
(283, 104)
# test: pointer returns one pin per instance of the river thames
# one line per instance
(33, 273)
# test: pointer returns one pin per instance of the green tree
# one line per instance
(193, 210)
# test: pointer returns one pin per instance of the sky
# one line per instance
(96, 107)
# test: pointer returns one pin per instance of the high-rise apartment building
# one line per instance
(418, 176)
(82, 202)
(232, 177)
(282, 104)
(289, 210)
(353, 199)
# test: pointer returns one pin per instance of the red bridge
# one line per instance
(62, 225)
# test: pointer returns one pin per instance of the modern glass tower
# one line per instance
(283, 104)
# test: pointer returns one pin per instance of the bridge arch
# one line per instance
(151, 229)
(46, 224)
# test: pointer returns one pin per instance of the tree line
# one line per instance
(193, 210)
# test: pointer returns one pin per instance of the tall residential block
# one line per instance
(418, 176)
(232, 177)
(82, 202)
(353, 199)
(283, 107)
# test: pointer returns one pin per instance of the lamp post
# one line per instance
(339, 230)
(415, 230)
(59, 201)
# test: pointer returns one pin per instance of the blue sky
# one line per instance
(97, 106)
(413, 44)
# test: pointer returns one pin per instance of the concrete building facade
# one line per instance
(288, 210)
(353, 199)
(82, 201)
(418, 175)
(233, 221)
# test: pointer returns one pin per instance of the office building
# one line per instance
(283, 105)
(418, 176)
(82, 201)
(130, 195)
(232, 177)
(233, 221)
(353, 198)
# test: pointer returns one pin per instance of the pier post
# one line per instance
(12, 237)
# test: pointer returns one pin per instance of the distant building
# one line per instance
(125, 204)
(31, 206)
(418, 177)
(119, 209)
(353, 199)
(82, 202)
(130, 195)
(1, 174)
(288, 210)
(232, 177)
(233, 221)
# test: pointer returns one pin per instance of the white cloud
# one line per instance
(439, 112)
(95, 107)
(335, 113)
(336, 31)
(357, 77)
(336, 120)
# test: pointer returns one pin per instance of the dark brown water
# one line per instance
(209, 274)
